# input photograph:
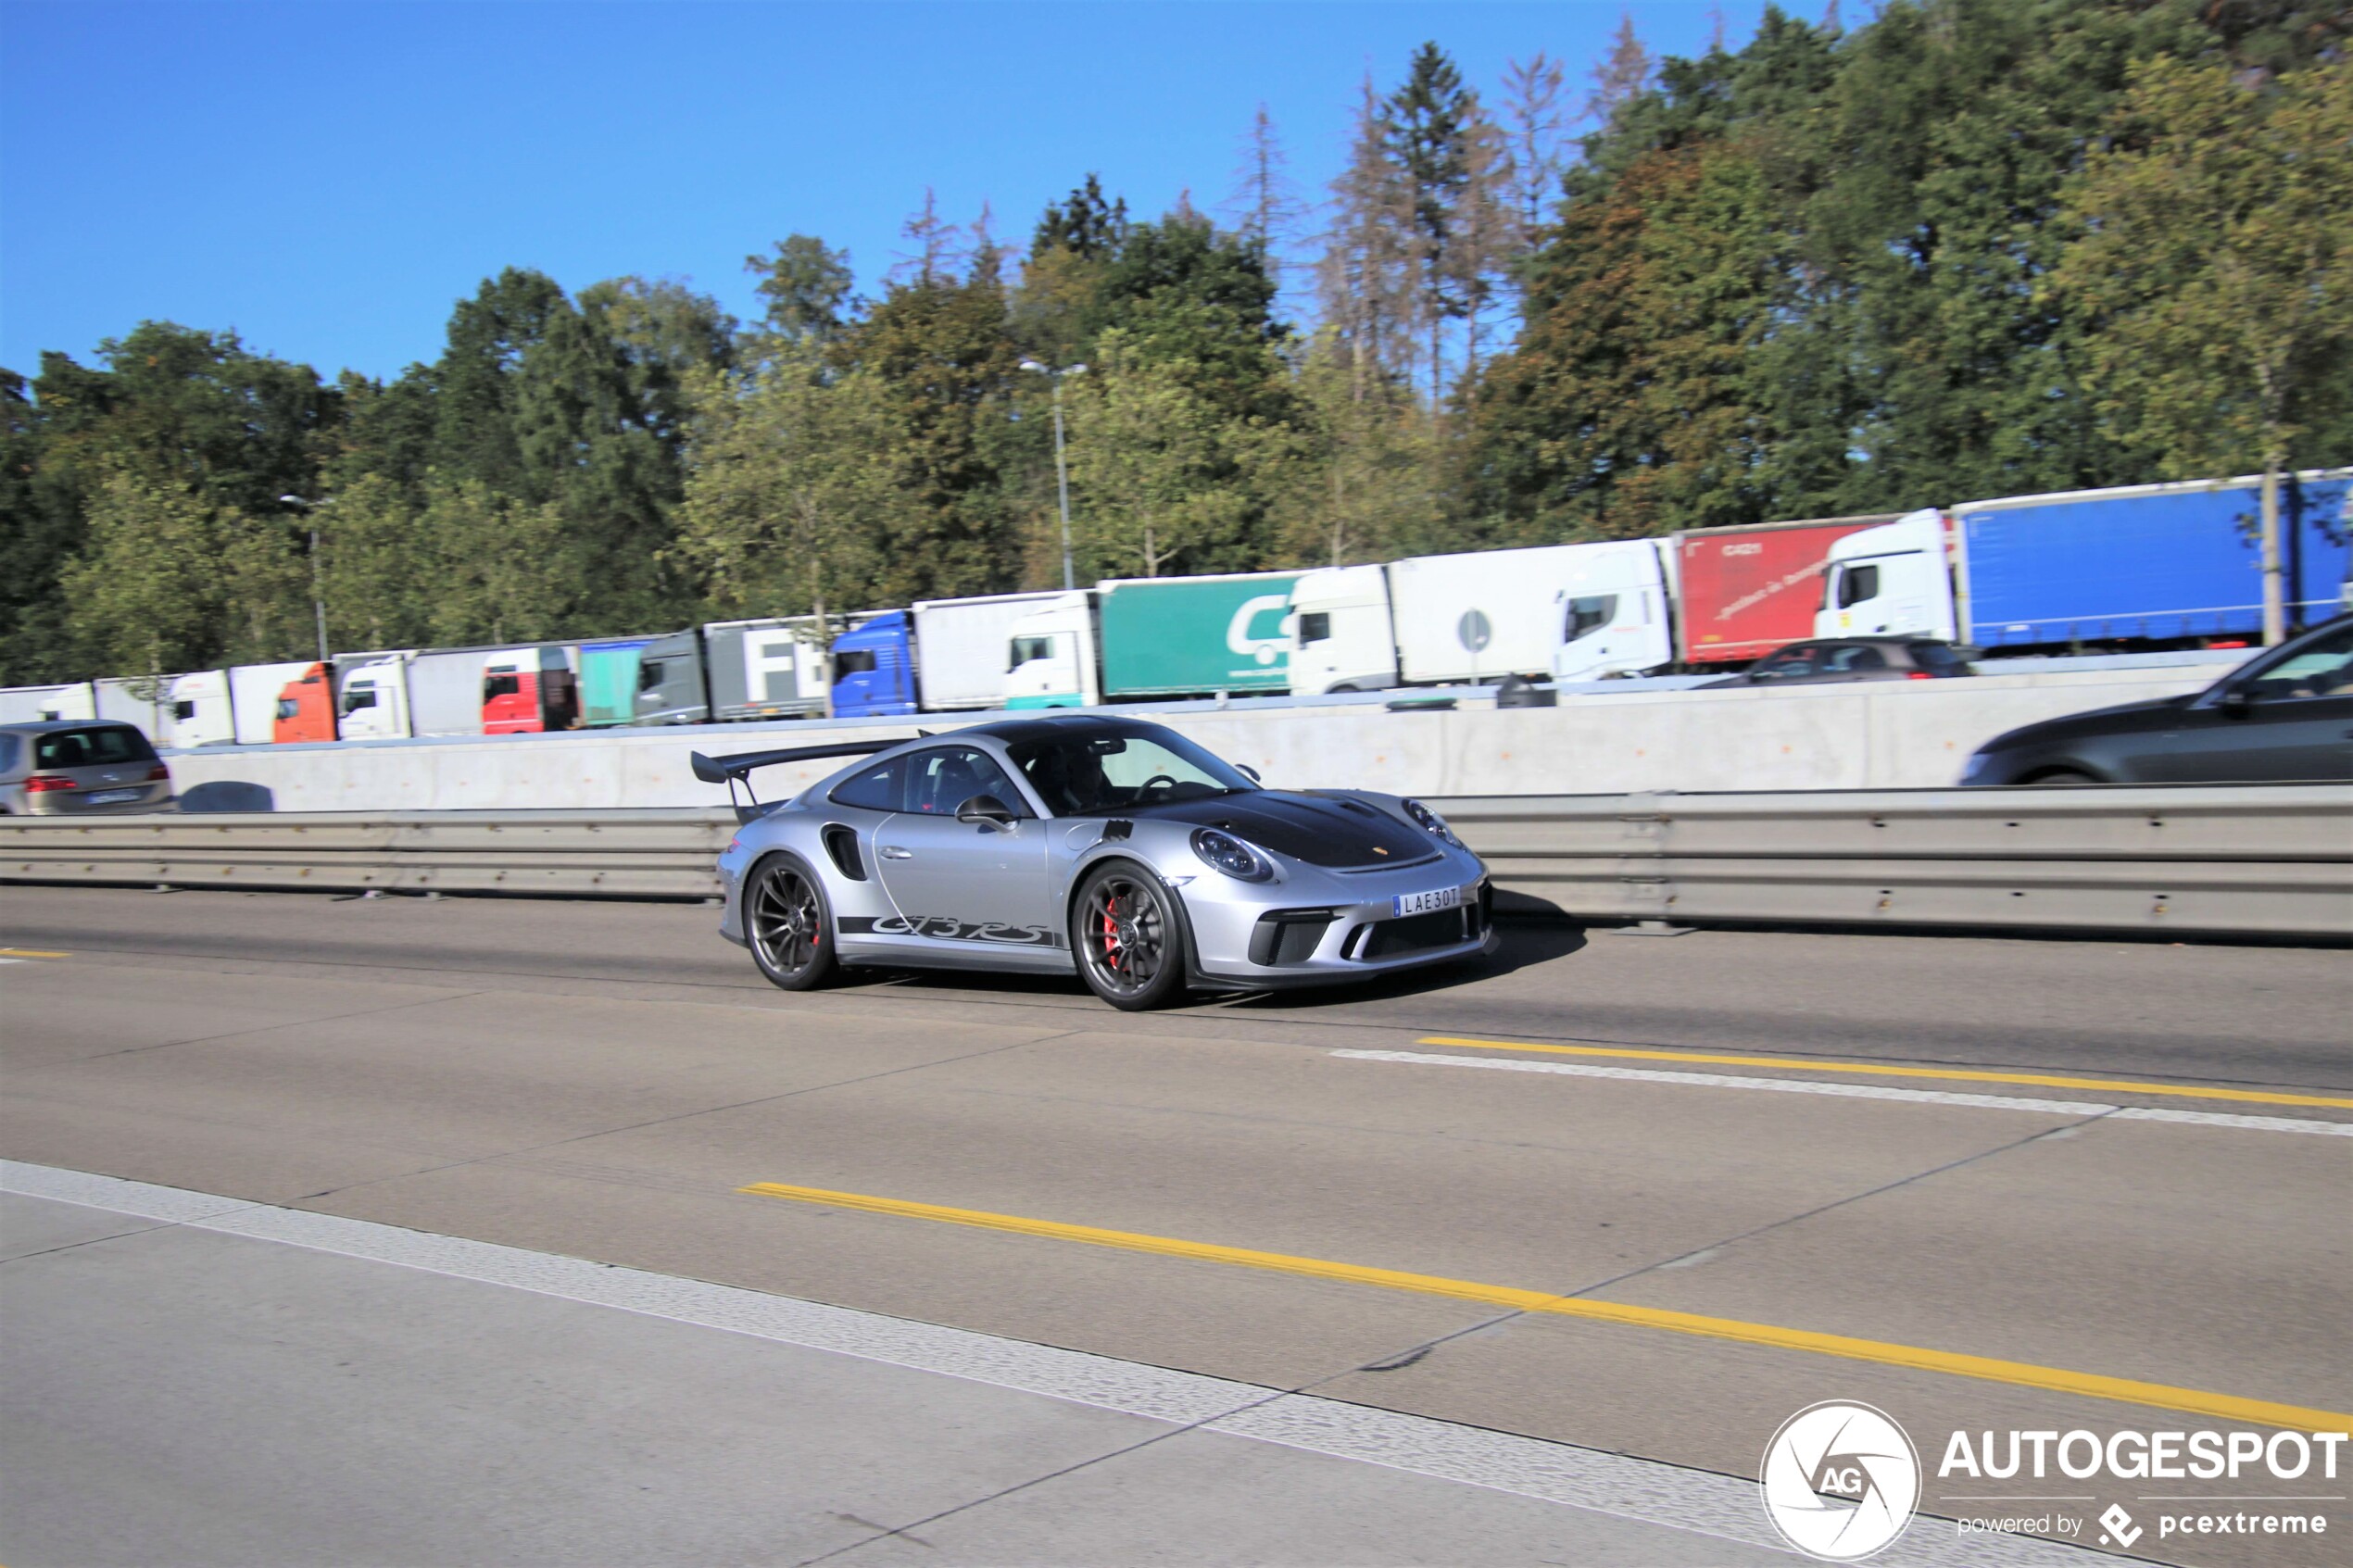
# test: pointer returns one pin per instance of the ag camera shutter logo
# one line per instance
(1839, 1481)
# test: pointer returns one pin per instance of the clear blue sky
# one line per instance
(326, 179)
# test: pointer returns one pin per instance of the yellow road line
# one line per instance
(31, 953)
(2054, 1379)
(2040, 1080)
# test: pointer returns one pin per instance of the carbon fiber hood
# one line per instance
(1331, 831)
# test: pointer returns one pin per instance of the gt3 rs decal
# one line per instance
(944, 929)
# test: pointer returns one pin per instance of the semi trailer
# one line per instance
(1152, 638)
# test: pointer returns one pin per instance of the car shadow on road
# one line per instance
(1524, 944)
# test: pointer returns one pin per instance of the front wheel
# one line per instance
(1128, 937)
(790, 927)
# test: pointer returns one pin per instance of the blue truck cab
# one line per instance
(875, 668)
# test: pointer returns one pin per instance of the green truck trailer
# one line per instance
(1145, 637)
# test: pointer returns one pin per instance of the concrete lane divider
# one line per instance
(2228, 859)
(2057, 1380)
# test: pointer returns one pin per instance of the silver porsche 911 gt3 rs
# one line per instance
(1110, 845)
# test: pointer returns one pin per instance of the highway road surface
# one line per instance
(421, 1232)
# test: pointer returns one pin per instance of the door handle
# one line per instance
(892, 852)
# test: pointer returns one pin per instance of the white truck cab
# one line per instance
(1896, 580)
(1340, 630)
(1614, 613)
(1051, 655)
(373, 704)
(197, 712)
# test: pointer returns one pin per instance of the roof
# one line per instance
(46, 726)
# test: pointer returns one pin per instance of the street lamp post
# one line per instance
(1061, 467)
(317, 592)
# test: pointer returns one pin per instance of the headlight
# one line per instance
(1429, 821)
(1231, 856)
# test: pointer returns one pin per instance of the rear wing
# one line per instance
(738, 769)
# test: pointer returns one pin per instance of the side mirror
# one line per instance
(986, 809)
(2235, 704)
(1247, 772)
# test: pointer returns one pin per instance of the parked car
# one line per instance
(66, 767)
(2283, 717)
(1113, 848)
(1852, 658)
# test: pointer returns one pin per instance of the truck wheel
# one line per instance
(790, 927)
(1128, 937)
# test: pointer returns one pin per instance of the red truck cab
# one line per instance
(528, 690)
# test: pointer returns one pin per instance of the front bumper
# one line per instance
(1281, 934)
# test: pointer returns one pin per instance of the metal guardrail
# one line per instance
(2245, 858)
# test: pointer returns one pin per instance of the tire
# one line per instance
(2059, 777)
(790, 926)
(1128, 937)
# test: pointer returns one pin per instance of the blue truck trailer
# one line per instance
(2144, 565)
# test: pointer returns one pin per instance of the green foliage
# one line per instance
(2213, 268)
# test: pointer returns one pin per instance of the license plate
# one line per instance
(1423, 903)
(108, 797)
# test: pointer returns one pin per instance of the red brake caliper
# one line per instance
(1111, 938)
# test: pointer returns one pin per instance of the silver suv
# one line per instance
(69, 768)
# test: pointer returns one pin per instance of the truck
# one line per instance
(729, 671)
(234, 706)
(1567, 612)
(77, 699)
(1153, 638)
(2137, 567)
(398, 694)
(939, 657)
(525, 691)
(1743, 591)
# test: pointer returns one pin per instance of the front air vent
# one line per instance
(841, 847)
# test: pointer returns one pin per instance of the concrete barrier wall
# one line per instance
(1879, 735)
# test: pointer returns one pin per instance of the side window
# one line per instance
(876, 789)
(1936, 656)
(1027, 650)
(1846, 660)
(941, 780)
(501, 685)
(1589, 615)
(356, 699)
(856, 662)
(11, 746)
(183, 711)
(2323, 668)
(649, 675)
(1858, 584)
(1315, 626)
(1780, 666)
(288, 708)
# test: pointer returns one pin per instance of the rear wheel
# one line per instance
(790, 928)
(2061, 776)
(1128, 937)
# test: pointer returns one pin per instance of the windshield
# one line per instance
(1088, 773)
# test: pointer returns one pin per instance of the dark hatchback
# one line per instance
(1851, 658)
(2287, 717)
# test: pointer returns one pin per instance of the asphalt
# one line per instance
(601, 1081)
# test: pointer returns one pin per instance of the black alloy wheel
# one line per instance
(790, 928)
(1129, 941)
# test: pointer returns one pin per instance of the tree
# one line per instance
(1266, 204)
(1367, 276)
(1159, 471)
(1622, 76)
(2214, 268)
(1536, 123)
(809, 290)
(789, 502)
